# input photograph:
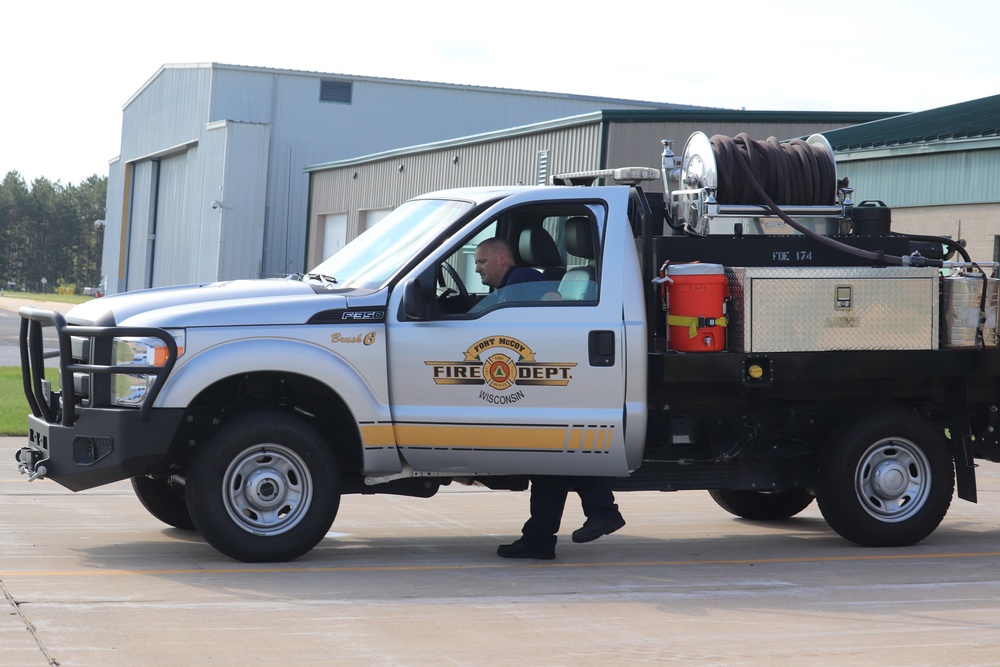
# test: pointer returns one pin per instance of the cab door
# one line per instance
(534, 387)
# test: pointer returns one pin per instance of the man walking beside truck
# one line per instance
(548, 498)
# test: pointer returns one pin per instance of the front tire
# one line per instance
(265, 489)
(164, 500)
(887, 480)
(762, 505)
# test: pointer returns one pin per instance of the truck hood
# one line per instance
(243, 302)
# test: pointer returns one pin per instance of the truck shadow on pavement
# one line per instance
(804, 538)
(794, 563)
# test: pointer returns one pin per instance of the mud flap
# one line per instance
(961, 439)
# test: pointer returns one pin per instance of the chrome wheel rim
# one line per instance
(893, 480)
(267, 489)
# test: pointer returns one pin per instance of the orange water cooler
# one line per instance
(696, 307)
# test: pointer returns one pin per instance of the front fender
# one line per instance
(268, 354)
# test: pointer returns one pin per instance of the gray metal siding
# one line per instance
(508, 160)
(382, 184)
(961, 177)
(143, 207)
(113, 226)
(172, 110)
(953, 193)
(195, 242)
(389, 116)
(242, 95)
(201, 222)
(241, 217)
(381, 116)
(172, 257)
(638, 144)
(178, 109)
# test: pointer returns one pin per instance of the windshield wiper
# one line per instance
(328, 281)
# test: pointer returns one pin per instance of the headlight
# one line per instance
(129, 389)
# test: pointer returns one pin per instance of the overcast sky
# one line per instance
(67, 68)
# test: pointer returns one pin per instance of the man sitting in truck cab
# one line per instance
(497, 269)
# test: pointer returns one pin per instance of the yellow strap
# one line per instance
(691, 322)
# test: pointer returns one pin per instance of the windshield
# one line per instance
(372, 258)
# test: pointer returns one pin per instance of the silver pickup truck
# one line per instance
(245, 409)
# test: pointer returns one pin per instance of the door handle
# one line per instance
(602, 348)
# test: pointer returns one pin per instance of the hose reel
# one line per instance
(800, 176)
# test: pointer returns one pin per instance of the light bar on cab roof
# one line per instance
(622, 175)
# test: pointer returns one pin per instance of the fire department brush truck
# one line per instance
(751, 332)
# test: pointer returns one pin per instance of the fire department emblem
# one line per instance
(500, 362)
(499, 371)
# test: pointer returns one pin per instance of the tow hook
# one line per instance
(28, 463)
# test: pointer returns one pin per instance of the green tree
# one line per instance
(88, 200)
(14, 197)
(44, 225)
(48, 231)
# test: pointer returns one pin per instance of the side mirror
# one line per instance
(413, 300)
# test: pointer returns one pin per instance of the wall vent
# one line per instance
(335, 91)
(542, 168)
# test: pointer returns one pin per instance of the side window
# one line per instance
(530, 257)
(459, 287)
(580, 282)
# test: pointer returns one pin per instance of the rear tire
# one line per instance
(265, 489)
(886, 480)
(762, 505)
(163, 500)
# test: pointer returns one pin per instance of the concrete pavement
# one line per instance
(91, 579)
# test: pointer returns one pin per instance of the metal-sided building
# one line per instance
(938, 170)
(347, 196)
(210, 182)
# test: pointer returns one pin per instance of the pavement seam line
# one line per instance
(28, 625)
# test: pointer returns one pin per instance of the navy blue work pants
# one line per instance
(548, 499)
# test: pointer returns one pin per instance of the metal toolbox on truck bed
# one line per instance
(832, 308)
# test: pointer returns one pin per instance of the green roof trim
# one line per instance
(975, 119)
